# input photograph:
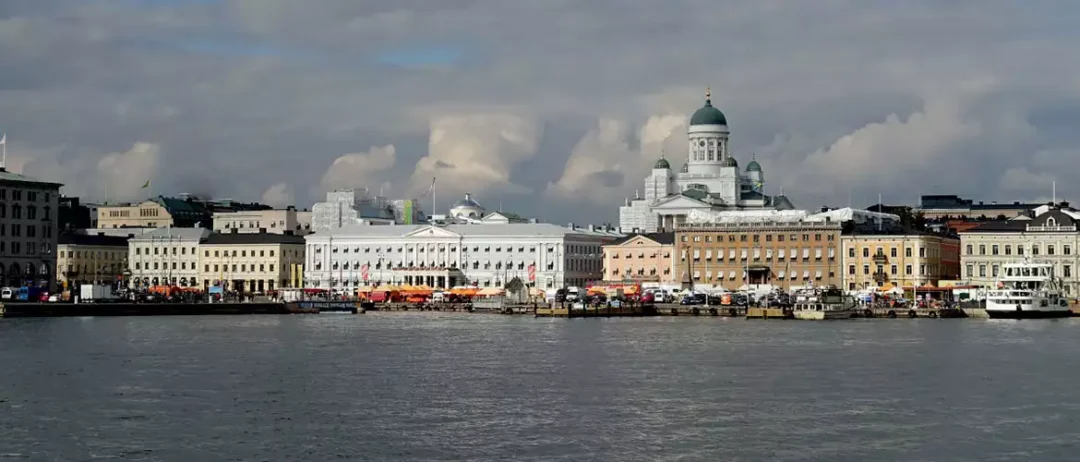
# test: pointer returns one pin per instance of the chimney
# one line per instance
(468, 196)
(592, 228)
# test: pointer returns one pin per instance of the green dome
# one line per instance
(708, 115)
(730, 162)
(662, 163)
(753, 166)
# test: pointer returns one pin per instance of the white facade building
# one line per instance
(710, 180)
(347, 207)
(487, 255)
(28, 232)
(166, 256)
(1050, 237)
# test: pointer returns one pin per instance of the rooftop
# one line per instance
(174, 234)
(470, 230)
(252, 238)
(92, 239)
(667, 238)
(12, 177)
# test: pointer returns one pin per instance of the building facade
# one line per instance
(90, 259)
(249, 263)
(487, 255)
(166, 256)
(900, 259)
(28, 230)
(278, 221)
(785, 254)
(709, 180)
(645, 258)
(347, 207)
(186, 211)
(1050, 237)
(952, 206)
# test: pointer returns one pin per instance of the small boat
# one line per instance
(1027, 290)
(823, 304)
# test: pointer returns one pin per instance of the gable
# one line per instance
(432, 231)
(640, 239)
(680, 201)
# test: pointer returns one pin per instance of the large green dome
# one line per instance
(708, 115)
(753, 166)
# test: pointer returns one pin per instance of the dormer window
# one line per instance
(1051, 222)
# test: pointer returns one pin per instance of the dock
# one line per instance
(768, 313)
(596, 312)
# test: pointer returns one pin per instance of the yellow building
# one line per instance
(899, 259)
(641, 257)
(783, 254)
(83, 259)
(251, 262)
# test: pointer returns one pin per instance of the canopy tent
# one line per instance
(491, 291)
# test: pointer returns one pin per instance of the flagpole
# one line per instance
(3, 142)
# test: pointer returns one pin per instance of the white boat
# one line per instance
(823, 304)
(1027, 290)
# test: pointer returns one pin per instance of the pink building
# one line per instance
(646, 257)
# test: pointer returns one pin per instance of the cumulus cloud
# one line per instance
(126, 172)
(611, 160)
(279, 195)
(359, 170)
(475, 153)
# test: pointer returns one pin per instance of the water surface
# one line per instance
(455, 387)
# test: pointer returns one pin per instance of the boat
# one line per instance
(1027, 290)
(822, 304)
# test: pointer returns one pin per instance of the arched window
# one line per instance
(1051, 222)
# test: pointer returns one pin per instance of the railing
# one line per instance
(1052, 228)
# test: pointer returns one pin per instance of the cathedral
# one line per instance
(710, 180)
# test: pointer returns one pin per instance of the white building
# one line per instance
(28, 234)
(1050, 237)
(488, 255)
(710, 180)
(346, 207)
(279, 221)
(166, 256)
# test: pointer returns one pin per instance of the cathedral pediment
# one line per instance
(679, 201)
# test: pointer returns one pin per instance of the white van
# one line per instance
(7, 293)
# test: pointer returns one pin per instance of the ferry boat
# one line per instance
(1027, 290)
(823, 304)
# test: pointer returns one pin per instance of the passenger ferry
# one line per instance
(1027, 290)
(823, 304)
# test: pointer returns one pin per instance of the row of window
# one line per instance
(757, 237)
(893, 269)
(892, 252)
(109, 269)
(217, 253)
(102, 254)
(1066, 249)
(806, 275)
(1066, 271)
(244, 267)
(640, 271)
(31, 230)
(31, 248)
(258, 225)
(570, 248)
(163, 250)
(640, 255)
(17, 195)
(31, 212)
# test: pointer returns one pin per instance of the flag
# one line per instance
(532, 272)
(146, 185)
(432, 188)
(3, 139)
(758, 185)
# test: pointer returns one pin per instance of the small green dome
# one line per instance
(730, 162)
(753, 166)
(708, 115)
(662, 163)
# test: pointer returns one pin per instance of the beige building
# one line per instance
(899, 259)
(90, 259)
(146, 214)
(1052, 236)
(249, 263)
(28, 231)
(269, 221)
(784, 254)
(166, 256)
(642, 258)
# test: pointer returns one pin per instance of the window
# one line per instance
(206, 268)
(1019, 250)
(922, 252)
(1008, 249)
(982, 271)
(994, 271)
(893, 270)
(970, 270)
(994, 249)
(892, 252)
(1034, 250)
(1066, 271)
(851, 252)
(907, 270)
(1066, 249)
(1050, 250)
(969, 252)
(865, 269)
(866, 252)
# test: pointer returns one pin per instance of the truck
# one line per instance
(95, 292)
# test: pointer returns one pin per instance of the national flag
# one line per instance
(758, 185)
(364, 271)
(432, 188)
(532, 272)
(146, 185)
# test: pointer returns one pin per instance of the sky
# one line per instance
(554, 109)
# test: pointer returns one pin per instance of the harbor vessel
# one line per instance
(823, 304)
(1027, 290)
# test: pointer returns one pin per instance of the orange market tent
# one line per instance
(465, 291)
(491, 291)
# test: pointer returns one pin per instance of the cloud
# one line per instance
(279, 195)
(475, 153)
(611, 160)
(359, 170)
(126, 172)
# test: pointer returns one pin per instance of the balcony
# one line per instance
(880, 259)
(880, 276)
